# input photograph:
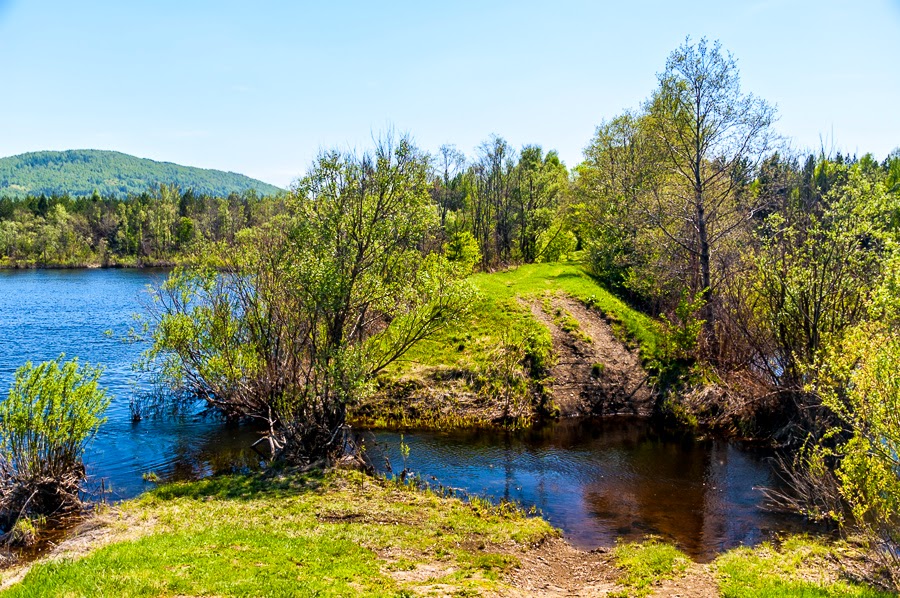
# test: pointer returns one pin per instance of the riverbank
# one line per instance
(343, 533)
(111, 263)
(541, 341)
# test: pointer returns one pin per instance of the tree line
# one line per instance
(159, 226)
(776, 275)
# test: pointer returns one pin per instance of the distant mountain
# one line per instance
(80, 172)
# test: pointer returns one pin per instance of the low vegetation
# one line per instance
(647, 564)
(454, 378)
(800, 566)
(344, 533)
(335, 534)
(52, 411)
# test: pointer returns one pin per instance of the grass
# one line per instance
(465, 354)
(345, 534)
(534, 280)
(646, 564)
(801, 567)
(497, 312)
(333, 534)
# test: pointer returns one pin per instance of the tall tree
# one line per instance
(447, 191)
(710, 138)
(292, 323)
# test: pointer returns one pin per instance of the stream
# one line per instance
(596, 479)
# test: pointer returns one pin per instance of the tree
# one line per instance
(860, 383)
(710, 138)
(52, 411)
(611, 186)
(490, 200)
(292, 324)
(447, 191)
(821, 254)
(540, 181)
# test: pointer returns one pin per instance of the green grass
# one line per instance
(534, 280)
(316, 535)
(646, 564)
(497, 312)
(466, 352)
(800, 568)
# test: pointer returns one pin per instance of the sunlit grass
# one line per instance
(533, 280)
(800, 568)
(316, 535)
(647, 563)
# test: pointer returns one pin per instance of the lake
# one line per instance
(597, 480)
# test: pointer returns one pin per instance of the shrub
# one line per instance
(52, 411)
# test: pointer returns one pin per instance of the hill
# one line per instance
(81, 172)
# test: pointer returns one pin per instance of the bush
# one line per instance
(51, 413)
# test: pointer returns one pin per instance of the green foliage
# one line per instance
(647, 563)
(795, 569)
(106, 173)
(821, 257)
(292, 322)
(682, 332)
(336, 534)
(860, 382)
(52, 411)
(510, 204)
(462, 249)
(556, 244)
(160, 226)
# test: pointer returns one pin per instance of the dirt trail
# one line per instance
(556, 568)
(595, 372)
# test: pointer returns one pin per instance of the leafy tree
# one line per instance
(52, 411)
(860, 383)
(540, 181)
(821, 256)
(611, 185)
(292, 323)
(709, 138)
(447, 191)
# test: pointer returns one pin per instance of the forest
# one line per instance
(85, 172)
(772, 277)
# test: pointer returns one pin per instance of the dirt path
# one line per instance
(556, 569)
(595, 373)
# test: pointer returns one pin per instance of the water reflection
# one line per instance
(600, 480)
(597, 480)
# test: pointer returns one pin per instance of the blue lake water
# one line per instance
(597, 480)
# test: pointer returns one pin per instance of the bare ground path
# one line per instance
(557, 569)
(595, 373)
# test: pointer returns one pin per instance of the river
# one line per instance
(597, 480)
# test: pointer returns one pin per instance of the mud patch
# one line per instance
(595, 372)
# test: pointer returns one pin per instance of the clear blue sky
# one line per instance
(259, 88)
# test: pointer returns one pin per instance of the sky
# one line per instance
(260, 88)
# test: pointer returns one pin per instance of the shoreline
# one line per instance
(383, 537)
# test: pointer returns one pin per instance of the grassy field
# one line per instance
(456, 371)
(498, 313)
(345, 534)
(334, 534)
(534, 280)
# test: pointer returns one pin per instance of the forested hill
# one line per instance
(81, 172)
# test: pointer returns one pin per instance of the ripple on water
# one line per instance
(595, 479)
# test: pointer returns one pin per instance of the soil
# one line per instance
(98, 530)
(595, 372)
(551, 569)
